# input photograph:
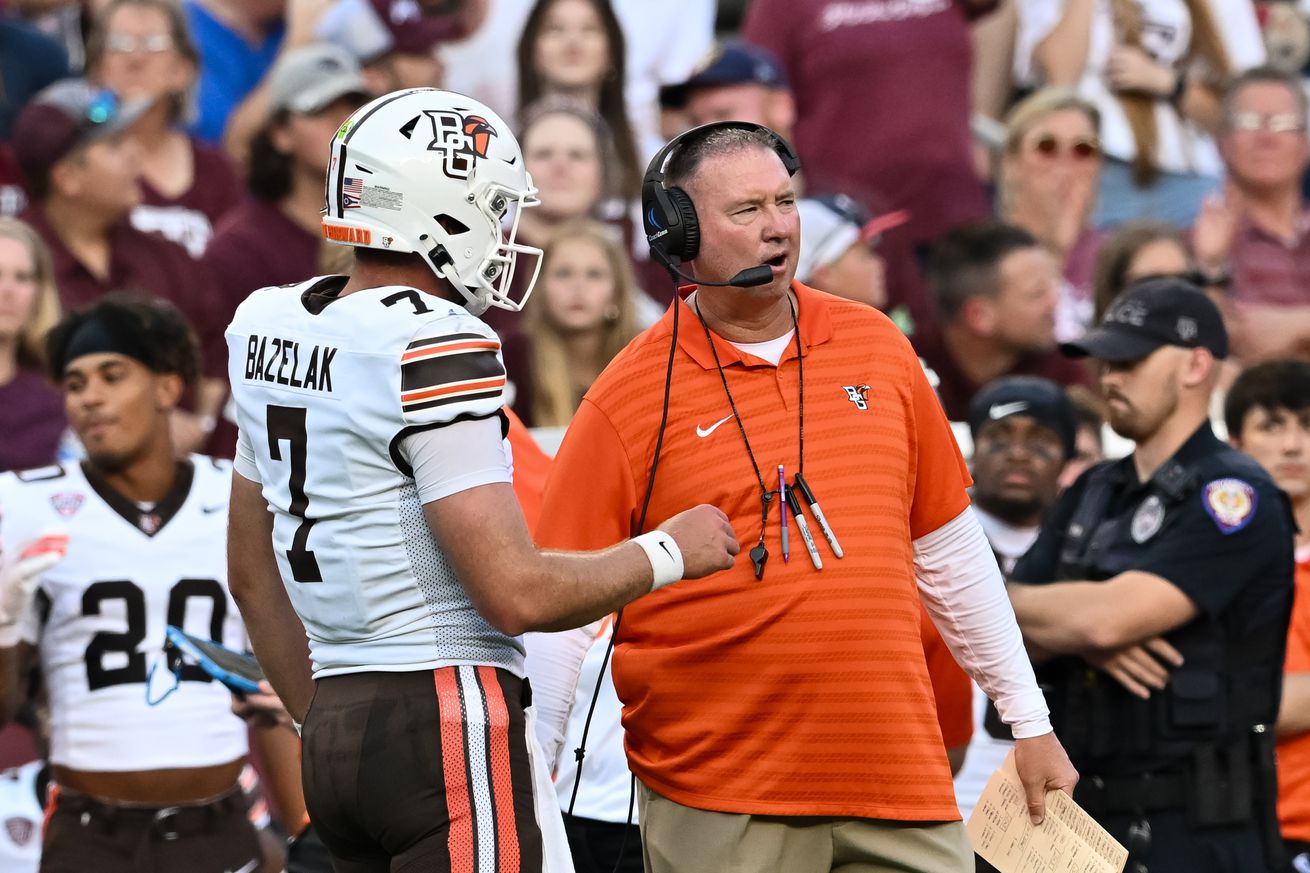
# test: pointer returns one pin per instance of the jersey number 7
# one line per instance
(288, 423)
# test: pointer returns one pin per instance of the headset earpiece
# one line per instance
(689, 238)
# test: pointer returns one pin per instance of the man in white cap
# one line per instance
(838, 248)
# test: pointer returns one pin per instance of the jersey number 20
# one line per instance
(128, 642)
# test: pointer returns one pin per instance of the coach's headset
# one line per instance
(673, 234)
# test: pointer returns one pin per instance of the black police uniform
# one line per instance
(1185, 779)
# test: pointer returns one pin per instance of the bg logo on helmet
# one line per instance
(461, 140)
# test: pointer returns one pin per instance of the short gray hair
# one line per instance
(688, 157)
(1255, 75)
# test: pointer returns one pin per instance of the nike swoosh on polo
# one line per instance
(247, 868)
(210, 510)
(703, 432)
(1001, 410)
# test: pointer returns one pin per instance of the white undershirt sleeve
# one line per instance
(553, 664)
(456, 457)
(962, 588)
(244, 461)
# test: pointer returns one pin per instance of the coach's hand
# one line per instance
(1043, 766)
(706, 539)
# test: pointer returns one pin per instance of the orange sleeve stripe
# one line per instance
(449, 348)
(457, 388)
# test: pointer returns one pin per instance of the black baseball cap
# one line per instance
(1156, 312)
(732, 63)
(1033, 396)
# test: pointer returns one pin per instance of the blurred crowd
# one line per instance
(989, 174)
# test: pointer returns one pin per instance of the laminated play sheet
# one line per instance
(1068, 840)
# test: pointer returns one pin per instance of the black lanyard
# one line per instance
(760, 555)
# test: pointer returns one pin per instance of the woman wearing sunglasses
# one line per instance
(1154, 69)
(1048, 179)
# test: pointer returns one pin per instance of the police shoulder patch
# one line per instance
(1230, 502)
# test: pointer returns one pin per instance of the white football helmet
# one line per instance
(434, 172)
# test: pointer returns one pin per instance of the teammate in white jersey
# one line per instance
(22, 798)
(373, 504)
(97, 559)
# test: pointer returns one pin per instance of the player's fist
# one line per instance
(706, 539)
(21, 571)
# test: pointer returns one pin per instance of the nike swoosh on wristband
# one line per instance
(703, 432)
(1001, 410)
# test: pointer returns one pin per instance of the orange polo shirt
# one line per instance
(1294, 752)
(805, 693)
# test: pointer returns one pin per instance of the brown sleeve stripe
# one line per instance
(449, 370)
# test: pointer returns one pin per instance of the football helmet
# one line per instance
(435, 173)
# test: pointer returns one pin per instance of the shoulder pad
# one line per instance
(40, 474)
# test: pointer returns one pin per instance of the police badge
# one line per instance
(1147, 519)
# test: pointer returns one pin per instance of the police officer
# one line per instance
(1155, 603)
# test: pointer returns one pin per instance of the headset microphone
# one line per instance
(751, 277)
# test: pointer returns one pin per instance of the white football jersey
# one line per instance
(21, 813)
(326, 388)
(99, 615)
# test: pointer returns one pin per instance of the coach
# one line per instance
(779, 716)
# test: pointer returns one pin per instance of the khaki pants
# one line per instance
(679, 839)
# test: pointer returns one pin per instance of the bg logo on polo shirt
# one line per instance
(857, 394)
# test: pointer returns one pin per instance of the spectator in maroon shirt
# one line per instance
(882, 91)
(1139, 250)
(13, 198)
(579, 317)
(738, 82)
(82, 171)
(567, 149)
(31, 410)
(275, 236)
(395, 41)
(142, 49)
(1049, 173)
(996, 289)
(1266, 245)
(576, 48)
